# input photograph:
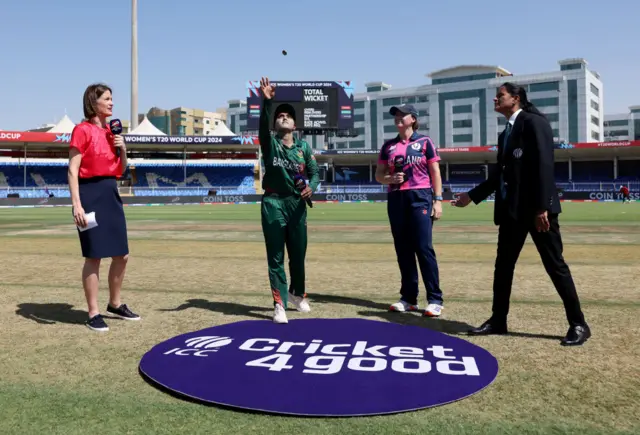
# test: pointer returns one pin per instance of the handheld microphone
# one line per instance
(301, 185)
(116, 128)
(398, 165)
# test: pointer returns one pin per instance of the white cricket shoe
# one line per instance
(279, 314)
(433, 310)
(402, 306)
(301, 303)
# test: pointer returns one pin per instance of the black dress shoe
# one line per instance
(490, 327)
(576, 336)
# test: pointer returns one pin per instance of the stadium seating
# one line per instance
(150, 178)
(157, 179)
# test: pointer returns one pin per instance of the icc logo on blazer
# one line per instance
(517, 153)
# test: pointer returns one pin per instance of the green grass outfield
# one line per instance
(60, 378)
(594, 213)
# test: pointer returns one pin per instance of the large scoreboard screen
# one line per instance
(319, 106)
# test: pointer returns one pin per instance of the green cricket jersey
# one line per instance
(282, 164)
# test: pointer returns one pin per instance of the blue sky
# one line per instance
(201, 54)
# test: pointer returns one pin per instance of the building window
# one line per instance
(467, 108)
(595, 120)
(358, 118)
(243, 117)
(545, 102)
(373, 119)
(595, 91)
(595, 135)
(546, 86)
(595, 106)
(390, 129)
(358, 105)
(462, 123)
(356, 144)
(462, 138)
(616, 123)
(391, 101)
(616, 133)
(570, 67)
(422, 98)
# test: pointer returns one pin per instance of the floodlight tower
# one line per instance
(134, 64)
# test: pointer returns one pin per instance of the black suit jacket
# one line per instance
(527, 164)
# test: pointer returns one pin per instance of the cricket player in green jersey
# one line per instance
(283, 209)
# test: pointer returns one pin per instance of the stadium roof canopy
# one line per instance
(464, 70)
(66, 125)
(222, 130)
(146, 128)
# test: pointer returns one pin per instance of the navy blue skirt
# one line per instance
(109, 238)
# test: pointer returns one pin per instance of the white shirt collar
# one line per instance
(514, 116)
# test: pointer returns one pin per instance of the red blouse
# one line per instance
(95, 143)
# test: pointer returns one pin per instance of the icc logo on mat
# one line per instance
(321, 367)
(200, 346)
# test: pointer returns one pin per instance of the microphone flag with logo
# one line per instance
(116, 128)
(398, 164)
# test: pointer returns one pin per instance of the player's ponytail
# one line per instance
(519, 91)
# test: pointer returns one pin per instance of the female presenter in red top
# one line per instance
(96, 158)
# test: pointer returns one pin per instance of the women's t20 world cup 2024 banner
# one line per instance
(26, 137)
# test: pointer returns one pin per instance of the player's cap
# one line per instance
(285, 108)
(406, 109)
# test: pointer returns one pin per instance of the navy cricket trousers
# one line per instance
(411, 226)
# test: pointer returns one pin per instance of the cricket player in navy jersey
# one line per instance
(408, 164)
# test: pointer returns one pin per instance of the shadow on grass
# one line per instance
(446, 326)
(227, 308)
(52, 313)
(376, 309)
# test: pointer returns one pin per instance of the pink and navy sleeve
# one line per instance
(431, 152)
(383, 157)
